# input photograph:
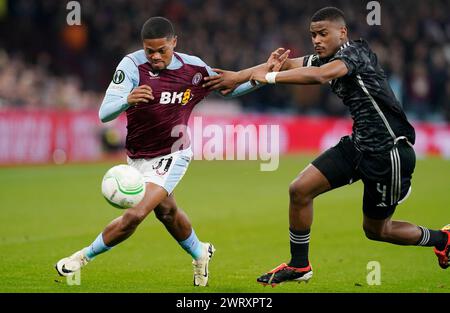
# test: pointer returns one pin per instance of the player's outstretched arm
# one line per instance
(290, 64)
(228, 81)
(239, 90)
(303, 75)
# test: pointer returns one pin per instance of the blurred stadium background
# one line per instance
(47, 65)
(52, 80)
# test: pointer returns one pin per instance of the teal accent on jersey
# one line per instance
(243, 89)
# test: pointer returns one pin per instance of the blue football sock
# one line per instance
(97, 247)
(192, 245)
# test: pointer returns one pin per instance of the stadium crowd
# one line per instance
(44, 63)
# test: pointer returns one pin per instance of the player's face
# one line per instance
(159, 51)
(327, 37)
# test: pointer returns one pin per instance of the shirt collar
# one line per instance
(345, 45)
(174, 63)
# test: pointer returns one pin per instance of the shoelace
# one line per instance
(198, 267)
(84, 260)
(278, 268)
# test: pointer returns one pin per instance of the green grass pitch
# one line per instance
(48, 212)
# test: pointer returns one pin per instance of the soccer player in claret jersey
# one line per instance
(379, 152)
(158, 88)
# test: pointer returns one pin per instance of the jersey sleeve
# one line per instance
(125, 79)
(353, 58)
(240, 90)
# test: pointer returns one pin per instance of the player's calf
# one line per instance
(382, 228)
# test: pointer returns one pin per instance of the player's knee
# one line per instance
(298, 192)
(166, 211)
(134, 216)
(131, 220)
(371, 235)
(379, 231)
(166, 216)
(374, 233)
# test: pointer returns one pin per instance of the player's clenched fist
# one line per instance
(140, 94)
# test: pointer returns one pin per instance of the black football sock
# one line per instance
(432, 238)
(299, 241)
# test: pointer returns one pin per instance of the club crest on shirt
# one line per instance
(197, 79)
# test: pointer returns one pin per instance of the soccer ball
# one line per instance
(123, 186)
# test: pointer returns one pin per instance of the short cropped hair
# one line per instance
(329, 14)
(157, 27)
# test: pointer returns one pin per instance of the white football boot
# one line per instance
(201, 273)
(72, 264)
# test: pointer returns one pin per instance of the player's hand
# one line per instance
(277, 59)
(142, 93)
(259, 76)
(225, 81)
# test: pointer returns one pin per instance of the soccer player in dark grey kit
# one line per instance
(158, 89)
(379, 152)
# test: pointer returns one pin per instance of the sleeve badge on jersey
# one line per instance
(119, 76)
(197, 79)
